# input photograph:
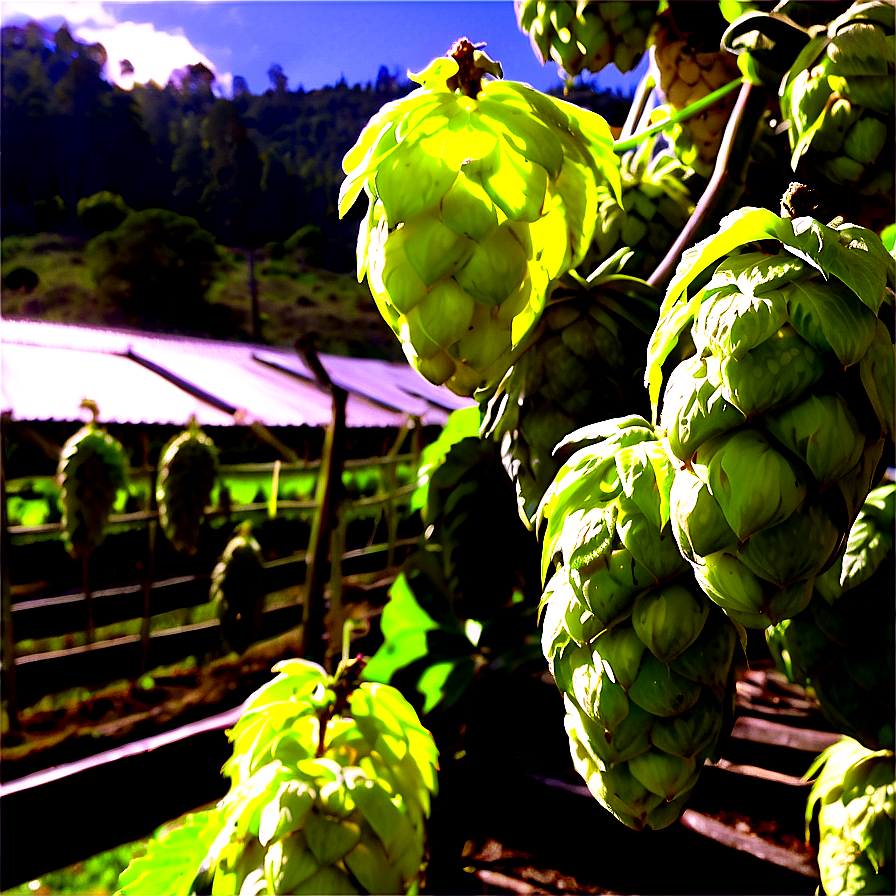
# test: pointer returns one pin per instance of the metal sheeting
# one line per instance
(142, 378)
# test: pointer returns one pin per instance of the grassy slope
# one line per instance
(294, 298)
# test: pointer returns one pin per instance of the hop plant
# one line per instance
(581, 363)
(237, 589)
(92, 468)
(587, 34)
(479, 194)
(686, 51)
(777, 422)
(855, 799)
(656, 205)
(331, 783)
(842, 644)
(188, 466)
(839, 97)
(642, 657)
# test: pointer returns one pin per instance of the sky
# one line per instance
(316, 42)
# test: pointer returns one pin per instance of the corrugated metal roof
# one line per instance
(134, 377)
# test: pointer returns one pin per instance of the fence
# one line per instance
(122, 653)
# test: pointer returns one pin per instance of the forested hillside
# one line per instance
(255, 171)
(250, 170)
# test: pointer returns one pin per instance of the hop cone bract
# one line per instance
(777, 423)
(642, 657)
(842, 644)
(855, 799)
(587, 34)
(188, 466)
(479, 195)
(92, 468)
(582, 363)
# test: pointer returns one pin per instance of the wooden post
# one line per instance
(9, 641)
(151, 527)
(88, 596)
(253, 298)
(328, 496)
(392, 486)
(334, 621)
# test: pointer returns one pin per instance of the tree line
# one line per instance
(250, 169)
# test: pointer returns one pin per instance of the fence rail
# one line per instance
(39, 671)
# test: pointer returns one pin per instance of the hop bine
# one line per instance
(479, 194)
(643, 659)
(778, 421)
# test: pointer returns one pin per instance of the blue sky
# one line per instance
(316, 42)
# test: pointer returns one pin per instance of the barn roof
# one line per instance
(136, 377)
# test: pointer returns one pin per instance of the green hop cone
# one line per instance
(237, 589)
(92, 468)
(842, 645)
(778, 421)
(643, 659)
(839, 97)
(331, 783)
(188, 466)
(656, 205)
(479, 195)
(686, 54)
(469, 501)
(581, 363)
(586, 34)
(853, 800)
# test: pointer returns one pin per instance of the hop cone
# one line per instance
(656, 206)
(92, 468)
(839, 97)
(237, 589)
(188, 466)
(479, 195)
(581, 363)
(642, 657)
(855, 797)
(330, 791)
(691, 66)
(471, 502)
(842, 644)
(777, 423)
(587, 34)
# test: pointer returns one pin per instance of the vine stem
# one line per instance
(711, 99)
(721, 176)
(639, 101)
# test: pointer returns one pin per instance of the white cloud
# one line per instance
(75, 12)
(153, 54)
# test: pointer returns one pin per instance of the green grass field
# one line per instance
(293, 297)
